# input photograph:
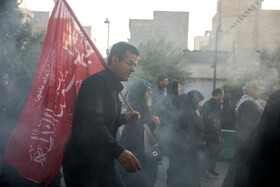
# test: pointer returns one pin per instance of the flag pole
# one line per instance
(126, 101)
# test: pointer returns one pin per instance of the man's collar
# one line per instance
(113, 80)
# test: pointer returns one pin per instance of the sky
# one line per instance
(94, 13)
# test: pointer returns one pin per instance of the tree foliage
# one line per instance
(160, 57)
(271, 59)
(20, 49)
(233, 87)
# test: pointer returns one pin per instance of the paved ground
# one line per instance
(221, 168)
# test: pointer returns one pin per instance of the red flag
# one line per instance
(37, 144)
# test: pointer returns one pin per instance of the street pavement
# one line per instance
(221, 168)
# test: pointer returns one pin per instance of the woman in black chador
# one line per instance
(185, 137)
(132, 137)
(259, 158)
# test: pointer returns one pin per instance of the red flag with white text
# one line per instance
(36, 146)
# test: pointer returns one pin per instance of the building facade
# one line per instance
(202, 42)
(245, 29)
(170, 26)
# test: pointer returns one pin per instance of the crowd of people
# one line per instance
(159, 141)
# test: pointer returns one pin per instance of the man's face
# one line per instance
(163, 83)
(123, 68)
(220, 97)
(255, 93)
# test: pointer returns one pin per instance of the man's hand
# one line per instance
(132, 117)
(197, 113)
(156, 120)
(221, 141)
(129, 162)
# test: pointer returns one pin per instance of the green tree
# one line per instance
(233, 87)
(160, 57)
(19, 49)
(270, 59)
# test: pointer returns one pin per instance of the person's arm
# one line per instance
(153, 123)
(218, 127)
(217, 123)
(130, 117)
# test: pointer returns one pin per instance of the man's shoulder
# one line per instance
(248, 105)
(96, 81)
(207, 103)
(158, 90)
(99, 76)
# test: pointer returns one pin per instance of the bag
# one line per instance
(152, 149)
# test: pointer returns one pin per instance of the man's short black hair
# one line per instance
(161, 78)
(217, 91)
(120, 50)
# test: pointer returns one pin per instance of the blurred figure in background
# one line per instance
(247, 112)
(184, 143)
(132, 137)
(211, 114)
(256, 162)
(259, 155)
(159, 93)
(167, 111)
(228, 114)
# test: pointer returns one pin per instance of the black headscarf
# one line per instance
(187, 119)
(172, 97)
(136, 95)
(190, 100)
(133, 134)
(172, 88)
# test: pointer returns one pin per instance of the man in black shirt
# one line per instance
(159, 93)
(90, 153)
(211, 114)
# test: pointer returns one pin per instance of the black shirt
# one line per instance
(210, 111)
(97, 116)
